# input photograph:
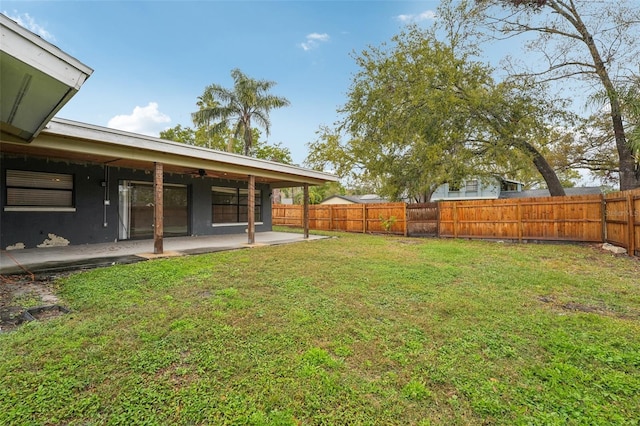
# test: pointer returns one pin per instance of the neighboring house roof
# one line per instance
(354, 199)
(586, 190)
(38, 79)
(71, 140)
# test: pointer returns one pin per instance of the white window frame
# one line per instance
(30, 182)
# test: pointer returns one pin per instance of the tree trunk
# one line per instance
(548, 174)
(247, 141)
(629, 178)
(629, 170)
(248, 136)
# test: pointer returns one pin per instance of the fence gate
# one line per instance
(622, 220)
(422, 220)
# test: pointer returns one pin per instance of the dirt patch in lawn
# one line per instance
(599, 308)
(27, 298)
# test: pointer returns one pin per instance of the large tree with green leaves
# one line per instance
(224, 141)
(248, 103)
(594, 43)
(420, 113)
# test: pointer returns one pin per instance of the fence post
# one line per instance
(364, 218)
(520, 224)
(455, 220)
(631, 225)
(330, 207)
(603, 216)
(437, 219)
(406, 220)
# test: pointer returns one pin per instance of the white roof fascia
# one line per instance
(34, 51)
(132, 141)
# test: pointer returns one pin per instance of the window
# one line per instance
(454, 186)
(471, 186)
(230, 205)
(509, 186)
(38, 190)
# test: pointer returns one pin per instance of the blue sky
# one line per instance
(152, 59)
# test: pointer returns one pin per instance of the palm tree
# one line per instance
(249, 100)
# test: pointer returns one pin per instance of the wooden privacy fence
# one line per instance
(613, 218)
(345, 217)
(577, 218)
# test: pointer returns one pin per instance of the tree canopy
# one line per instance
(224, 141)
(421, 113)
(227, 127)
(239, 108)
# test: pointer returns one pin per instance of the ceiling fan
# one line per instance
(200, 173)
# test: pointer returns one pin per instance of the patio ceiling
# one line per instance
(36, 80)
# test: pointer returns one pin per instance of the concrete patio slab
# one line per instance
(57, 259)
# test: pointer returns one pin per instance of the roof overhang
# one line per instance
(67, 140)
(36, 80)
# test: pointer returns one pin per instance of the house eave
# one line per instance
(118, 148)
(37, 80)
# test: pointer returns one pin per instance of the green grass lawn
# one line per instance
(356, 329)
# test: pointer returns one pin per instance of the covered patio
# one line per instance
(58, 259)
(77, 190)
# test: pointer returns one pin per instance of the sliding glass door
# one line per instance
(136, 201)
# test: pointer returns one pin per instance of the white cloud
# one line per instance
(313, 40)
(427, 15)
(25, 20)
(144, 120)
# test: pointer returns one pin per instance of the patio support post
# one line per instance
(158, 209)
(305, 217)
(251, 209)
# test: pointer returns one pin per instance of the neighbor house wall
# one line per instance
(336, 200)
(92, 222)
(486, 190)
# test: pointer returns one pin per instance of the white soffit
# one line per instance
(63, 134)
(36, 80)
